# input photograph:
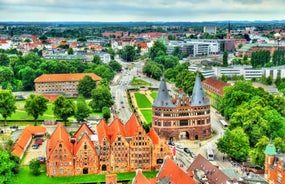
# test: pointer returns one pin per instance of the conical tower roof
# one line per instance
(163, 98)
(198, 95)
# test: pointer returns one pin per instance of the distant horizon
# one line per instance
(140, 10)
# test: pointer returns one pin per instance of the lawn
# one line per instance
(25, 176)
(142, 101)
(21, 114)
(147, 115)
(135, 82)
(153, 95)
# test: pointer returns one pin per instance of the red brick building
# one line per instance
(274, 165)
(168, 173)
(64, 84)
(115, 148)
(182, 117)
(214, 89)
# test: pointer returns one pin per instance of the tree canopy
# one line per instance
(235, 144)
(157, 49)
(85, 86)
(8, 167)
(82, 109)
(7, 104)
(63, 108)
(128, 53)
(35, 106)
(101, 97)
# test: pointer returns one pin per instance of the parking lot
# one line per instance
(35, 153)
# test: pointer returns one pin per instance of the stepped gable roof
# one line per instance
(217, 85)
(132, 126)
(153, 136)
(81, 141)
(116, 128)
(198, 95)
(163, 98)
(213, 174)
(140, 178)
(83, 128)
(102, 130)
(169, 170)
(60, 134)
(65, 77)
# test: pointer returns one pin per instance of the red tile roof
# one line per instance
(214, 175)
(142, 45)
(116, 128)
(153, 136)
(60, 134)
(51, 97)
(140, 178)
(81, 129)
(132, 125)
(25, 138)
(215, 85)
(174, 173)
(82, 140)
(65, 77)
(102, 130)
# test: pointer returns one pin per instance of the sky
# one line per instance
(141, 10)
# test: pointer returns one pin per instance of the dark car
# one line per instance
(14, 127)
(171, 143)
(186, 150)
(35, 146)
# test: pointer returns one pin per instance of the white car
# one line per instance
(179, 146)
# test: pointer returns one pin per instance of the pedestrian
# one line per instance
(200, 145)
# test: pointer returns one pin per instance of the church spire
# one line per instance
(163, 98)
(198, 95)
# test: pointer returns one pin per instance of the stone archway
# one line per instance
(196, 137)
(85, 170)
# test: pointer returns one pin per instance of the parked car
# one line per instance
(192, 154)
(14, 127)
(171, 143)
(38, 141)
(179, 146)
(42, 159)
(186, 150)
(35, 146)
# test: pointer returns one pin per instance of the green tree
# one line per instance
(43, 38)
(224, 78)
(63, 108)
(177, 52)
(86, 85)
(225, 58)
(101, 97)
(111, 52)
(154, 50)
(128, 53)
(235, 144)
(185, 80)
(28, 75)
(70, 51)
(241, 91)
(35, 106)
(6, 74)
(278, 80)
(245, 57)
(104, 71)
(115, 65)
(106, 113)
(82, 110)
(97, 60)
(8, 167)
(257, 155)
(4, 60)
(35, 166)
(7, 104)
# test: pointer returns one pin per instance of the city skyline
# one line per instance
(141, 10)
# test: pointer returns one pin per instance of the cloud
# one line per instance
(140, 10)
